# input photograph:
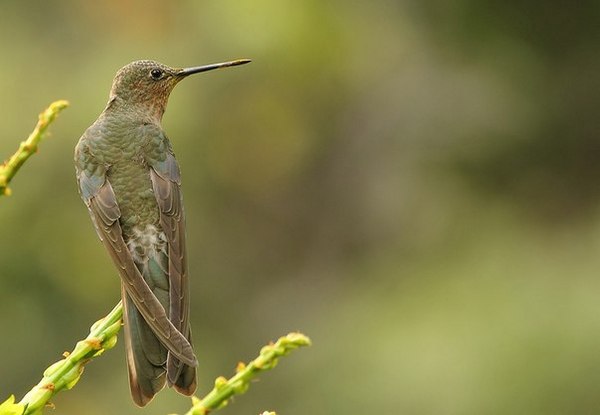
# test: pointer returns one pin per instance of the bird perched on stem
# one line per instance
(130, 182)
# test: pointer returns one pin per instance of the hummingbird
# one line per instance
(131, 184)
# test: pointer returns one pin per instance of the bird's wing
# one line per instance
(166, 183)
(100, 199)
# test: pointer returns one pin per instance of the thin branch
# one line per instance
(240, 382)
(65, 373)
(29, 146)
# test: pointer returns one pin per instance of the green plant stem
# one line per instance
(29, 146)
(66, 372)
(239, 383)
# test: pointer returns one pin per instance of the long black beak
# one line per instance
(196, 69)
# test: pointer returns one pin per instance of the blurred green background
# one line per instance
(412, 184)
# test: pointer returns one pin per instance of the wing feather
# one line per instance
(105, 211)
(166, 184)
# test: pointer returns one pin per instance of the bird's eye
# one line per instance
(156, 74)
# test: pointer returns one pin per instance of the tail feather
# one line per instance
(186, 382)
(150, 363)
(145, 356)
(181, 376)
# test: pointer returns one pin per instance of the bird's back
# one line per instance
(121, 150)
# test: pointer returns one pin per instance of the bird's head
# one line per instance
(147, 84)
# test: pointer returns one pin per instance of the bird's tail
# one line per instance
(146, 356)
(149, 363)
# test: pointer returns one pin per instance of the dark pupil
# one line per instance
(156, 73)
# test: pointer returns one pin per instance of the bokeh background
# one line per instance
(414, 184)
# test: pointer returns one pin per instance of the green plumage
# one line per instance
(116, 141)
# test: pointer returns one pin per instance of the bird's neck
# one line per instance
(147, 110)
